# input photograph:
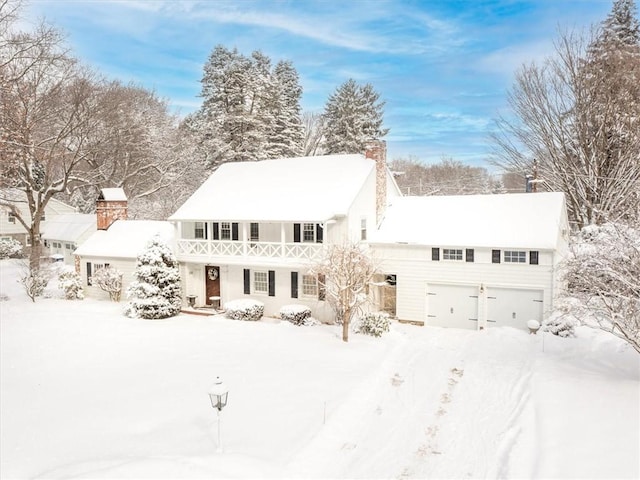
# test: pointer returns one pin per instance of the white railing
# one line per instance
(224, 248)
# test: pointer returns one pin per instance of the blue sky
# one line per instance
(443, 67)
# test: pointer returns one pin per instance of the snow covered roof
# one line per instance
(68, 227)
(112, 194)
(524, 220)
(125, 238)
(288, 189)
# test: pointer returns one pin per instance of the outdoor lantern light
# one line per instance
(218, 395)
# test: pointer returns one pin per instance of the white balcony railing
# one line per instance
(272, 250)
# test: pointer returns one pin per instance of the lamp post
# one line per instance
(218, 395)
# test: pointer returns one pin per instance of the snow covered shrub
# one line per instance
(244, 309)
(560, 324)
(109, 279)
(603, 273)
(35, 281)
(296, 314)
(10, 247)
(374, 324)
(156, 291)
(71, 284)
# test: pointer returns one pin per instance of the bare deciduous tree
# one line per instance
(313, 124)
(345, 273)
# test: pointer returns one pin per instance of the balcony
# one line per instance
(241, 252)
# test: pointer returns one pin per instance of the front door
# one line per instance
(212, 275)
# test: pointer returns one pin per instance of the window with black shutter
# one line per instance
(294, 284)
(533, 257)
(272, 283)
(247, 281)
(495, 256)
(435, 254)
(88, 273)
(469, 254)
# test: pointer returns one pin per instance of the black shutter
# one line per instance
(469, 254)
(533, 257)
(216, 231)
(322, 292)
(88, 273)
(435, 254)
(495, 256)
(294, 284)
(296, 232)
(234, 231)
(247, 281)
(319, 233)
(272, 283)
(206, 230)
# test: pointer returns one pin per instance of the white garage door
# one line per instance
(452, 306)
(513, 307)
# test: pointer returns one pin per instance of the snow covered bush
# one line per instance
(109, 279)
(244, 309)
(71, 284)
(296, 314)
(156, 291)
(35, 281)
(562, 325)
(10, 247)
(603, 273)
(374, 324)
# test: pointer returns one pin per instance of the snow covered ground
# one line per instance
(88, 393)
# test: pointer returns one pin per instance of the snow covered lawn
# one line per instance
(88, 393)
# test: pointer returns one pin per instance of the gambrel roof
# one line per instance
(519, 220)
(282, 190)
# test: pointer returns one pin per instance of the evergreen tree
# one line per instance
(156, 291)
(353, 115)
(250, 110)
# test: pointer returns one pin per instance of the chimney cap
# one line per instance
(112, 194)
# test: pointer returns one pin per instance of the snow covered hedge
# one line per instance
(296, 314)
(70, 283)
(244, 309)
(374, 324)
(10, 247)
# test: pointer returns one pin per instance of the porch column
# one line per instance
(244, 239)
(283, 237)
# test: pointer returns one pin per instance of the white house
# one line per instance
(12, 200)
(63, 233)
(471, 261)
(253, 229)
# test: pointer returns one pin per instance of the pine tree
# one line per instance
(156, 291)
(353, 115)
(250, 110)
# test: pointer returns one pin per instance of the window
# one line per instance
(94, 267)
(68, 246)
(260, 282)
(254, 233)
(308, 232)
(435, 254)
(309, 285)
(451, 254)
(199, 230)
(533, 257)
(12, 218)
(515, 256)
(363, 229)
(225, 230)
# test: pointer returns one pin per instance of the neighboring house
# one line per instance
(471, 261)
(10, 227)
(117, 241)
(253, 229)
(63, 233)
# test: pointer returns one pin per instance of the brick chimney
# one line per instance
(377, 150)
(110, 206)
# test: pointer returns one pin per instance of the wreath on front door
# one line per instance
(213, 274)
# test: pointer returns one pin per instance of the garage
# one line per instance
(452, 306)
(513, 307)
